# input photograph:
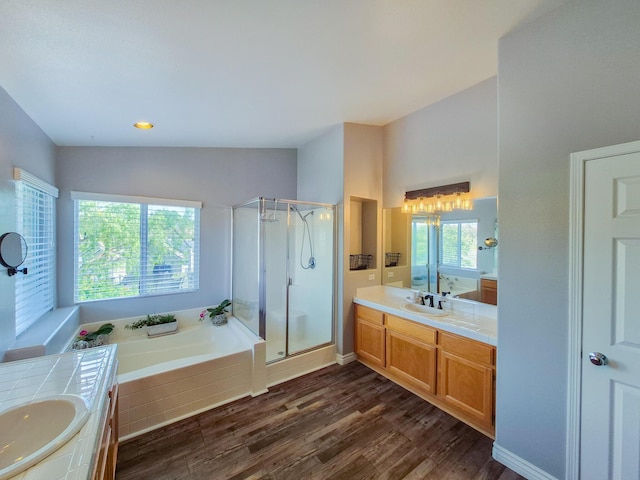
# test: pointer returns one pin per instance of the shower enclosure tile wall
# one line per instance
(283, 273)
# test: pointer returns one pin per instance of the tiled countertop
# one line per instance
(474, 320)
(87, 373)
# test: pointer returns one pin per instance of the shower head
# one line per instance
(302, 217)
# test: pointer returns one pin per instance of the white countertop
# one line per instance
(467, 318)
(87, 373)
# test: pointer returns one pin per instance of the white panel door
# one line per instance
(610, 420)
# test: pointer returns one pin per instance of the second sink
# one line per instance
(31, 431)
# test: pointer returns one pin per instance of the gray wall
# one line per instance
(321, 168)
(321, 179)
(218, 177)
(568, 81)
(22, 144)
(451, 141)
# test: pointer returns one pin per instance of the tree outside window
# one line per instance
(458, 240)
(132, 249)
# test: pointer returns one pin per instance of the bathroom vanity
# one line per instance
(89, 374)
(448, 360)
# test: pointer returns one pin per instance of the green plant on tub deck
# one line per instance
(87, 339)
(217, 314)
(152, 320)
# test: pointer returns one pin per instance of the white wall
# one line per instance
(451, 141)
(218, 177)
(567, 82)
(22, 144)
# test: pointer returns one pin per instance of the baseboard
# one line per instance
(344, 359)
(519, 465)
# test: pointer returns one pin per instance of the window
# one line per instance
(458, 240)
(35, 207)
(134, 246)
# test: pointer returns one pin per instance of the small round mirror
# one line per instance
(13, 250)
(491, 242)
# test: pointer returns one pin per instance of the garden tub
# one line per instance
(168, 378)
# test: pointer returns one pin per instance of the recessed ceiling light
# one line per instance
(143, 125)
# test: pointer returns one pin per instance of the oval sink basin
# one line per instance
(31, 431)
(424, 309)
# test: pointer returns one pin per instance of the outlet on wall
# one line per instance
(372, 276)
(389, 274)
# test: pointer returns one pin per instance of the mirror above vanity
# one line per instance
(453, 252)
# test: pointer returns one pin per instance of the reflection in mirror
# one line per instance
(13, 252)
(445, 253)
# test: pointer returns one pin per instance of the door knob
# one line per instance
(598, 359)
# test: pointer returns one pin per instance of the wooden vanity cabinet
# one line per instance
(411, 352)
(489, 291)
(370, 335)
(453, 372)
(466, 373)
(105, 468)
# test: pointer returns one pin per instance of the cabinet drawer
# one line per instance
(416, 330)
(369, 314)
(466, 348)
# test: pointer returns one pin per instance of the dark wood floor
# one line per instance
(342, 422)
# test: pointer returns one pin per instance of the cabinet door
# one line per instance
(370, 342)
(412, 360)
(467, 386)
(489, 291)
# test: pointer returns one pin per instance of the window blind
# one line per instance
(134, 246)
(458, 243)
(35, 207)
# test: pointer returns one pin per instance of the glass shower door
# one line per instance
(311, 276)
(424, 252)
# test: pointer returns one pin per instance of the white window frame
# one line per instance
(459, 252)
(35, 293)
(144, 203)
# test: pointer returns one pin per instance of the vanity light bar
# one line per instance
(431, 199)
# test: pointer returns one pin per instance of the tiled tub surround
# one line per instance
(474, 320)
(89, 374)
(168, 378)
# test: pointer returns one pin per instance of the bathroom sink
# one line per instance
(31, 431)
(424, 309)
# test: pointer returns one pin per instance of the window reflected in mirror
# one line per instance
(442, 253)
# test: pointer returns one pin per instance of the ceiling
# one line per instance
(242, 73)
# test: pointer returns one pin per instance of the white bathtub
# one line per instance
(168, 378)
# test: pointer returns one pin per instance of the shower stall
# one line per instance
(283, 273)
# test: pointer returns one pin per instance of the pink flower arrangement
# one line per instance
(202, 314)
(85, 335)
